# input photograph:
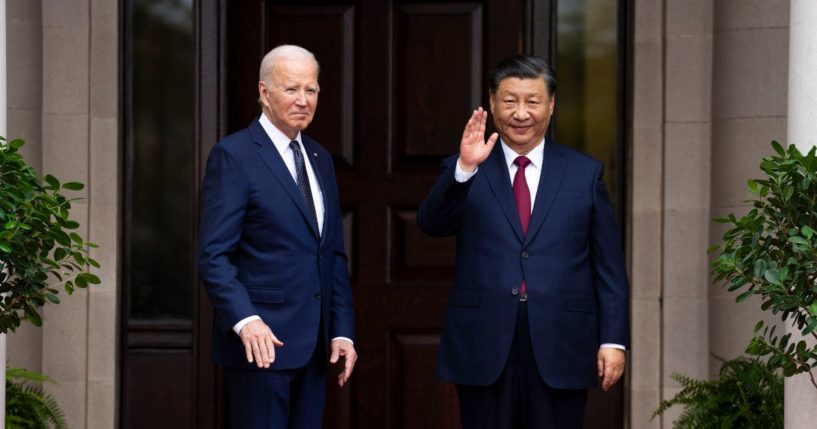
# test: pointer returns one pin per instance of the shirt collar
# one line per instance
(279, 139)
(536, 156)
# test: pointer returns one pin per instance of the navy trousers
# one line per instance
(279, 399)
(520, 398)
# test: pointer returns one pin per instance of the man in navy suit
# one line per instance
(271, 255)
(539, 308)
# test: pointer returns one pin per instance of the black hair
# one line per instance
(523, 67)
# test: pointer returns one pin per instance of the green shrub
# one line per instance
(27, 405)
(772, 252)
(39, 250)
(748, 394)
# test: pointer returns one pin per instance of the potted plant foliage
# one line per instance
(771, 252)
(40, 252)
(748, 394)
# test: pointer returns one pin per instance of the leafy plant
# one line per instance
(37, 243)
(749, 394)
(772, 252)
(27, 405)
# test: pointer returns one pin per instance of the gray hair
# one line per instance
(284, 52)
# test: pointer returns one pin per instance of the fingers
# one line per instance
(475, 127)
(259, 343)
(491, 141)
(347, 350)
(611, 367)
(248, 349)
(348, 367)
(600, 363)
(335, 355)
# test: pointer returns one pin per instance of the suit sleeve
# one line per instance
(342, 309)
(439, 213)
(609, 273)
(223, 206)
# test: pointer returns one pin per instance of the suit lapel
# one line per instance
(496, 171)
(312, 155)
(553, 170)
(269, 154)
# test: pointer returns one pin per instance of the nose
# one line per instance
(521, 112)
(300, 99)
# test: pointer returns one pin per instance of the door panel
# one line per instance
(398, 80)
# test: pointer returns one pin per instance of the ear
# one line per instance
(491, 101)
(262, 93)
(551, 103)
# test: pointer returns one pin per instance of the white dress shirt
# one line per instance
(532, 174)
(281, 143)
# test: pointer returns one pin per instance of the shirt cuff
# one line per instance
(614, 346)
(461, 176)
(237, 327)
(343, 339)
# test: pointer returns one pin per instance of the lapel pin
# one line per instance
(314, 153)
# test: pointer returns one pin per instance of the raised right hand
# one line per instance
(473, 147)
(259, 343)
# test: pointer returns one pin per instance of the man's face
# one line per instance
(290, 95)
(521, 110)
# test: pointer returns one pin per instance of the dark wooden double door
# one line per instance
(398, 81)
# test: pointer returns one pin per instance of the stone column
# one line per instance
(3, 133)
(800, 394)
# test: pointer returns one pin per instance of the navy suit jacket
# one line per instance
(259, 254)
(571, 260)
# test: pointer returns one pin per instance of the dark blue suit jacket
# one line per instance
(258, 253)
(571, 260)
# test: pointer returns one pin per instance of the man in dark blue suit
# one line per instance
(271, 255)
(539, 308)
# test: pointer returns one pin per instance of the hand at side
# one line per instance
(347, 350)
(259, 343)
(610, 363)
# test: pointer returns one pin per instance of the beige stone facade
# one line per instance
(63, 81)
(708, 91)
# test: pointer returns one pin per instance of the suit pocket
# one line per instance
(581, 303)
(464, 298)
(267, 295)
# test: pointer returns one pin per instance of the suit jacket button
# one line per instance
(318, 295)
(515, 291)
(525, 254)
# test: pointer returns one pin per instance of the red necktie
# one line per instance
(522, 195)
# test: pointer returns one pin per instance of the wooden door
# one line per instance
(398, 81)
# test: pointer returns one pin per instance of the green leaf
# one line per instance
(778, 148)
(53, 298)
(16, 144)
(52, 182)
(760, 268)
(90, 278)
(798, 240)
(5, 247)
(758, 326)
(746, 294)
(772, 276)
(73, 186)
(807, 231)
(752, 186)
(813, 308)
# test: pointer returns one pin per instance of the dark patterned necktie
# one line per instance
(303, 182)
(521, 194)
